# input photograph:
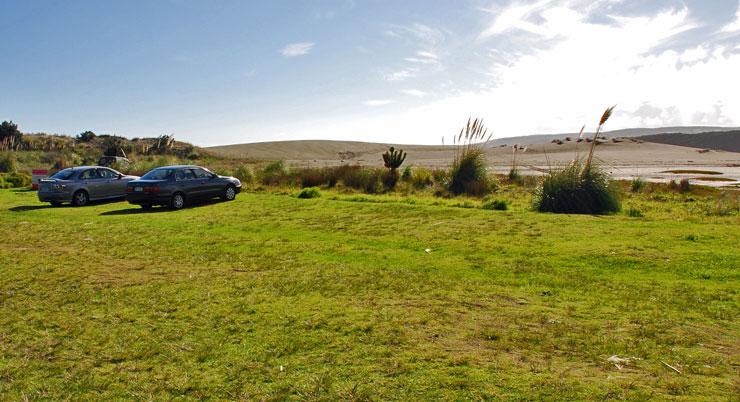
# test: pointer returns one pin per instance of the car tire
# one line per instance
(80, 198)
(229, 193)
(177, 201)
(146, 206)
(55, 203)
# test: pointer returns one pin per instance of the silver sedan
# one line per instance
(80, 185)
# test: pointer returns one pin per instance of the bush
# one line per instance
(683, 186)
(422, 178)
(634, 213)
(498, 205)
(637, 184)
(367, 180)
(407, 174)
(514, 176)
(8, 163)
(577, 190)
(309, 192)
(468, 173)
(14, 180)
(245, 174)
(275, 173)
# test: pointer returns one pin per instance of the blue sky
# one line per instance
(220, 72)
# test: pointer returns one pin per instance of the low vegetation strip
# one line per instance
(272, 297)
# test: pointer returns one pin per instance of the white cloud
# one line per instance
(515, 16)
(569, 81)
(414, 92)
(401, 75)
(377, 102)
(733, 26)
(297, 49)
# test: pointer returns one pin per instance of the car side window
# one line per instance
(89, 174)
(201, 174)
(107, 174)
(184, 174)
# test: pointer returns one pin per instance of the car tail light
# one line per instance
(151, 189)
(129, 189)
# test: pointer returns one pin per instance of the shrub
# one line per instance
(274, 173)
(634, 213)
(245, 174)
(407, 174)
(577, 190)
(498, 205)
(637, 184)
(367, 180)
(468, 173)
(514, 176)
(422, 178)
(14, 180)
(87, 136)
(8, 163)
(309, 192)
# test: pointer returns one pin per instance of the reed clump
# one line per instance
(468, 174)
(579, 188)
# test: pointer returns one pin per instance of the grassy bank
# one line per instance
(352, 296)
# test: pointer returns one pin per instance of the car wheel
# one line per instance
(146, 206)
(80, 198)
(229, 193)
(55, 203)
(178, 201)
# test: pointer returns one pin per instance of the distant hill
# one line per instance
(723, 140)
(629, 132)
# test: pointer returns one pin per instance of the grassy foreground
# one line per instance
(346, 297)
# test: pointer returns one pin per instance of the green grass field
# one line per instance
(357, 297)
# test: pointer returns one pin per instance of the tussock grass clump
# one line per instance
(496, 205)
(637, 184)
(580, 188)
(577, 189)
(634, 213)
(8, 162)
(309, 192)
(468, 174)
(245, 174)
(683, 186)
(275, 173)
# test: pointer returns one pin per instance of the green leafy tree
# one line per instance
(87, 136)
(10, 136)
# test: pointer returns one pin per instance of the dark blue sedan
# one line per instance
(175, 185)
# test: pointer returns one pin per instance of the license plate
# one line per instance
(138, 189)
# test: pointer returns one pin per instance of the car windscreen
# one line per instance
(157, 174)
(64, 174)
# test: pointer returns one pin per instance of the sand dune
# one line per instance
(626, 158)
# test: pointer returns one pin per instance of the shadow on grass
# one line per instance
(160, 209)
(26, 208)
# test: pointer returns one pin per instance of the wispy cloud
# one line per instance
(401, 75)
(733, 26)
(515, 16)
(297, 49)
(414, 92)
(377, 102)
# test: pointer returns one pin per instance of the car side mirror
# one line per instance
(120, 176)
